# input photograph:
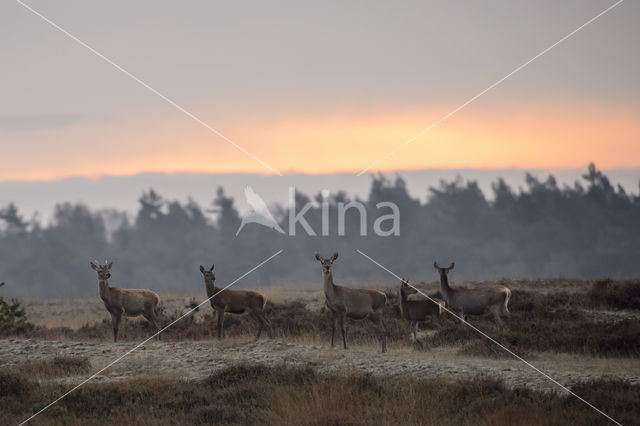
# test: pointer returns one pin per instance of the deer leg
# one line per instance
(437, 318)
(157, 324)
(258, 318)
(344, 331)
(333, 328)
(150, 316)
(496, 314)
(115, 320)
(220, 320)
(271, 333)
(415, 330)
(461, 316)
(383, 332)
(267, 324)
(409, 323)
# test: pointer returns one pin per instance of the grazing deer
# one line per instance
(119, 301)
(235, 302)
(352, 303)
(414, 311)
(473, 301)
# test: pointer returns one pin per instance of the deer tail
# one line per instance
(507, 296)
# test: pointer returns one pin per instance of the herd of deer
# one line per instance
(342, 302)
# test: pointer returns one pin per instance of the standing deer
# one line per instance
(235, 302)
(473, 301)
(352, 303)
(414, 311)
(119, 301)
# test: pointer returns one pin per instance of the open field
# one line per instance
(585, 334)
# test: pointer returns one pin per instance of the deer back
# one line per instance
(237, 301)
(477, 301)
(420, 309)
(360, 299)
(133, 301)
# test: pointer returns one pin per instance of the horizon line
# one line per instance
(297, 172)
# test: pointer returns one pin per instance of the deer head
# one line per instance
(406, 289)
(209, 276)
(327, 264)
(443, 271)
(102, 270)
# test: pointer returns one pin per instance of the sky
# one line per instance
(316, 88)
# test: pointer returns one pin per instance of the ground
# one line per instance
(197, 360)
(78, 332)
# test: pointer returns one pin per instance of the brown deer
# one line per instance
(119, 301)
(352, 303)
(414, 311)
(465, 301)
(235, 302)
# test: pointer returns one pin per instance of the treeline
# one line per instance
(591, 229)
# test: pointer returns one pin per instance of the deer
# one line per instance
(128, 302)
(414, 311)
(237, 302)
(464, 301)
(352, 303)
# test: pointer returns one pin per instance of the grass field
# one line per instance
(585, 334)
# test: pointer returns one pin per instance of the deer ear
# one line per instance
(335, 256)
(435, 265)
(212, 265)
(109, 265)
(451, 266)
(93, 266)
(201, 268)
(318, 257)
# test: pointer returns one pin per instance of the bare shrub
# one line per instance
(285, 395)
(541, 323)
(59, 366)
(617, 294)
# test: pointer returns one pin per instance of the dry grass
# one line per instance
(59, 366)
(284, 395)
(619, 294)
(540, 323)
(557, 316)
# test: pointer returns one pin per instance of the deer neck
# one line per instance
(403, 297)
(447, 291)
(329, 286)
(211, 287)
(104, 289)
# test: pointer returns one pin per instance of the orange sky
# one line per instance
(541, 137)
(326, 88)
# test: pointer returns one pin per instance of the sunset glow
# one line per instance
(552, 137)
